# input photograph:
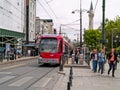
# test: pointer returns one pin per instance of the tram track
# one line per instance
(34, 68)
(39, 78)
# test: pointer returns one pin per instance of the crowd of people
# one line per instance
(100, 58)
(77, 52)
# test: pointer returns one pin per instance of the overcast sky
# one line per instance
(60, 12)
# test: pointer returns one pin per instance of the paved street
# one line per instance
(28, 75)
(85, 79)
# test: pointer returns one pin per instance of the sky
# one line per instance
(61, 13)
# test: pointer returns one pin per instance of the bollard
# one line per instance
(70, 80)
(61, 65)
(71, 72)
(68, 86)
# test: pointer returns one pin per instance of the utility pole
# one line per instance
(80, 23)
(60, 30)
(103, 24)
(27, 21)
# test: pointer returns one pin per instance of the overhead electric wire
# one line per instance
(51, 9)
(49, 1)
(71, 23)
(13, 13)
(71, 28)
(44, 9)
(52, 12)
(96, 5)
(10, 18)
(14, 7)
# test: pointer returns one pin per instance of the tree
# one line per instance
(112, 28)
(92, 38)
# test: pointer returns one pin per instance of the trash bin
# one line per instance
(11, 56)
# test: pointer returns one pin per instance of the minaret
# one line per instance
(91, 15)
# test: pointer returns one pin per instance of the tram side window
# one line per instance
(60, 46)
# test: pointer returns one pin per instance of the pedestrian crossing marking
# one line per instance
(13, 66)
(5, 72)
(4, 79)
(21, 81)
(42, 83)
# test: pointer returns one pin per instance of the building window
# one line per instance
(33, 26)
(31, 15)
(31, 4)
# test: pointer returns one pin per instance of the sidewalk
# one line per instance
(86, 79)
(18, 59)
(73, 64)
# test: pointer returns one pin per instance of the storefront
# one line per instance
(11, 37)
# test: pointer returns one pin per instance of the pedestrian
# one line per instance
(116, 59)
(94, 57)
(76, 56)
(8, 55)
(15, 53)
(101, 61)
(91, 59)
(71, 52)
(4, 53)
(112, 60)
(1, 56)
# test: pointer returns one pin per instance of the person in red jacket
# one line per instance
(112, 60)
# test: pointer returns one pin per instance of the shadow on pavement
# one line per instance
(48, 65)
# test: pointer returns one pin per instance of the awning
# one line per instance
(30, 45)
(9, 33)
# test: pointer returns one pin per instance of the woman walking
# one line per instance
(76, 55)
(112, 60)
(101, 61)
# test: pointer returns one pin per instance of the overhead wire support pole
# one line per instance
(103, 24)
(80, 23)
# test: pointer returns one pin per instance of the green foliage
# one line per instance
(92, 38)
(112, 26)
(118, 49)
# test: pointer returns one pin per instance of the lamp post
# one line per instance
(80, 11)
(103, 24)
(80, 23)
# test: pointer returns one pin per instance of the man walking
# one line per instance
(94, 57)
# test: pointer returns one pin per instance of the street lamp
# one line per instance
(80, 11)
